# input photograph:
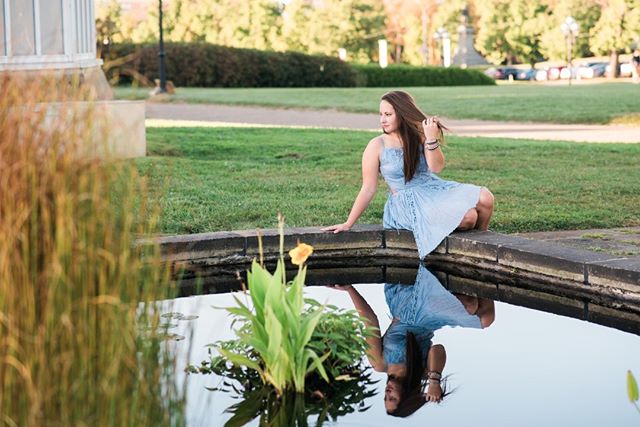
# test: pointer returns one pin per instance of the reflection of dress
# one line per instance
(427, 205)
(421, 309)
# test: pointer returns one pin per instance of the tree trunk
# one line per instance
(613, 64)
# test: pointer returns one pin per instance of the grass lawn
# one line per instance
(594, 103)
(212, 179)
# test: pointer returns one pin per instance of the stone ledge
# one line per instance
(617, 273)
(549, 259)
(493, 251)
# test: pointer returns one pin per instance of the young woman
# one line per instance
(406, 351)
(409, 155)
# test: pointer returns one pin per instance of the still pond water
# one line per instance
(528, 368)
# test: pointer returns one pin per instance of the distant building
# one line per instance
(37, 35)
(58, 39)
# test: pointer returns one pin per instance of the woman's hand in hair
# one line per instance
(430, 128)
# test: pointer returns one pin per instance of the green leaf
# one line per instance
(632, 387)
(274, 330)
(241, 360)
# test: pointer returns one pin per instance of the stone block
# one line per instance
(400, 239)
(203, 245)
(614, 317)
(405, 276)
(542, 301)
(359, 237)
(473, 287)
(344, 276)
(548, 258)
(480, 244)
(617, 273)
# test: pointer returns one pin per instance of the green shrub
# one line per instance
(208, 65)
(371, 75)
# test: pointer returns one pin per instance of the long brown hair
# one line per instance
(410, 119)
(412, 396)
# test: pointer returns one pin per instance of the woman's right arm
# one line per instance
(370, 167)
(374, 354)
(375, 343)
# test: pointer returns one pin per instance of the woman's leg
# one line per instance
(469, 220)
(484, 209)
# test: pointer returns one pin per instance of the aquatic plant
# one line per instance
(74, 288)
(632, 389)
(285, 338)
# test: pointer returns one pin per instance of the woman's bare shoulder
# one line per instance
(376, 142)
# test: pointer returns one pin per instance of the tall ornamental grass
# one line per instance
(79, 343)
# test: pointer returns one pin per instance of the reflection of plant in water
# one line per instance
(343, 395)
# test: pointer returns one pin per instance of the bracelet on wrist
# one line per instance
(434, 147)
(431, 141)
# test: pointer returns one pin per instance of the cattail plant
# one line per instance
(79, 343)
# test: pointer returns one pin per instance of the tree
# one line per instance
(528, 19)
(321, 27)
(511, 31)
(108, 18)
(494, 20)
(616, 30)
(585, 12)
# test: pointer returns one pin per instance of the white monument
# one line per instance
(58, 37)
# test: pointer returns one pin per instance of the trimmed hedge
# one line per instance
(208, 65)
(371, 75)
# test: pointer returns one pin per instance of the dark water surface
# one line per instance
(529, 368)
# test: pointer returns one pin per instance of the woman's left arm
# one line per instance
(432, 151)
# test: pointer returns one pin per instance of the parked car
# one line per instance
(567, 72)
(553, 73)
(625, 69)
(502, 73)
(529, 74)
(592, 70)
(542, 75)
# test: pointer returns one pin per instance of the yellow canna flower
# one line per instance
(300, 253)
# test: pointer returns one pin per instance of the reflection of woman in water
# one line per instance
(406, 352)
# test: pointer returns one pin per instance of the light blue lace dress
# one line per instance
(427, 205)
(421, 308)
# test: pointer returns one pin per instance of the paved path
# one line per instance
(338, 119)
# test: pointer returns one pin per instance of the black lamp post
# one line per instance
(163, 78)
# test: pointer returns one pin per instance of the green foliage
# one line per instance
(323, 27)
(283, 340)
(207, 65)
(632, 389)
(552, 42)
(494, 21)
(401, 75)
(79, 338)
(617, 27)
(338, 332)
(274, 337)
